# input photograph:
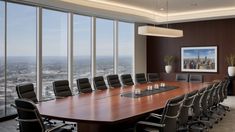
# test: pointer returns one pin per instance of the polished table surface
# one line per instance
(108, 106)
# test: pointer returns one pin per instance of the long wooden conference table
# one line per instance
(106, 110)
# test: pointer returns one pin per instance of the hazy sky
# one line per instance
(21, 33)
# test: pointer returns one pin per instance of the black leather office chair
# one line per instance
(207, 120)
(140, 78)
(182, 77)
(26, 91)
(165, 122)
(216, 109)
(153, 77)
(195, 78)
(61, 88)
(195, 123)
(196, 108)
(99, 83)
(215, 112)
(84, 85)
(212, 99)
(30, 119)
(127, 80)
(113, 81)
(184, 112)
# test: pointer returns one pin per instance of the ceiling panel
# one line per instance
(149, 11)
(176, 6)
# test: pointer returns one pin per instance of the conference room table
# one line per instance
(108, 110)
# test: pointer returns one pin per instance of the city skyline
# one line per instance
(195, 53)
(199, 59)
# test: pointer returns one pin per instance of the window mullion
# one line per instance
(115, 49)
(39, 53)
(70, 49)
(93, 47)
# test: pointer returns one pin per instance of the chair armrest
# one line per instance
(27, 120)
(150, 124)
(13, 105)
(156, 115)
(56, 127)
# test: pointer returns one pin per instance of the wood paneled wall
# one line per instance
(202, 33)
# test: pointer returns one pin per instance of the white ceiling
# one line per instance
(176, 6)
(150, 11)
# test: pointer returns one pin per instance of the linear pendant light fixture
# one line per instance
(160, 31)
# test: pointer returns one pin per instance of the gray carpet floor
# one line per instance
(225, 125)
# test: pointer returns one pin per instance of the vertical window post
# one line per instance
(39, 53)
(93, 47)
(115, 49)
(5, 57)
(70, 49)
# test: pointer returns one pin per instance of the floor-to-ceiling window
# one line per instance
(81, 47)
(21, 49)
(104, 47)
(125, 47)
(18, 37)
(2, 59)
(54, 49)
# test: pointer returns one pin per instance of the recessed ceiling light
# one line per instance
(161, 9)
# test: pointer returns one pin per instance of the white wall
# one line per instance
(140, 63)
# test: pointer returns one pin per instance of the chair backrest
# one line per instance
(211, 95)
(197, 103)
(216, 95)
(152, 77)
(28, 116)
(204, 99)
(113, 81)
(61, 88)
(226, 89)
(171, 113)
(195, 78)
(188, 103)
(26, 91)
(127, 80)
(140, 78)
(222, 91)
(84, 85)
(182, 77)
(99, 83)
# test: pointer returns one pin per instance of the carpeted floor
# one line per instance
(226, 125)
(228, 122)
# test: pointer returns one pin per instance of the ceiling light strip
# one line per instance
(159, 31)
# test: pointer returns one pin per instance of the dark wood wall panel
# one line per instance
(202, 33)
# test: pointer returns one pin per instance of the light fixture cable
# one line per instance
(160, 31)
(167, 7)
